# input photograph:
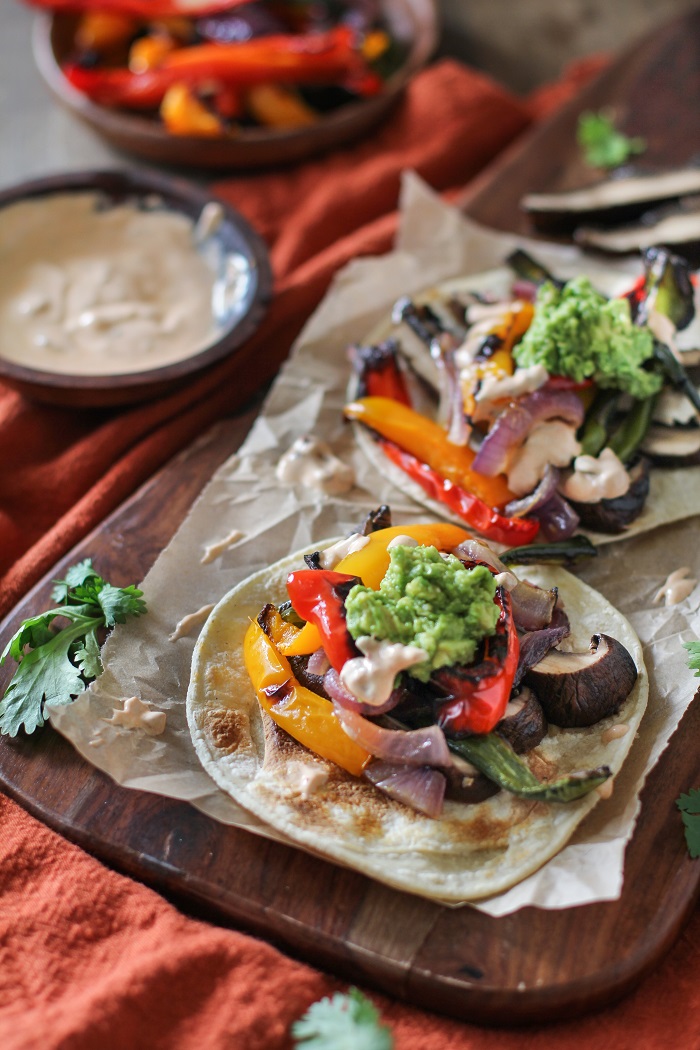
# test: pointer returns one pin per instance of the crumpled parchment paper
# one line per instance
(435, 242)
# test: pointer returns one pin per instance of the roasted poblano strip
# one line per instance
(496, 759)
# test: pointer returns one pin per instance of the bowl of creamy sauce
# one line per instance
(119, 286)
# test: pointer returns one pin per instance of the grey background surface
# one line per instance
(520, 44)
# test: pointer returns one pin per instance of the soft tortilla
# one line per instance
(471, 851)
(674, 493)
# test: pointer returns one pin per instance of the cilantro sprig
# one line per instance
(694, 659)
(689, 805)
(56, 663)
(342, 1022)
(602, 144)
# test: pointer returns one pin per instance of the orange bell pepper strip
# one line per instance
(278, 106)
(371, 563)
(500, 362)
(427, 441)
(184, 114)
(305, 715)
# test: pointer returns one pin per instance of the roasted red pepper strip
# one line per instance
(148, 9)
(318, 596)
(480, 692)
(378, 372)
(285, 58)
(513, 532)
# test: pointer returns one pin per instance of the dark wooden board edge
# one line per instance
(658, 78)
(458, 962)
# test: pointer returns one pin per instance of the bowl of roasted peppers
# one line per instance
(231, 83)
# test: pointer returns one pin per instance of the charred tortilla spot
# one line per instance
(484, 831)
(227, 728)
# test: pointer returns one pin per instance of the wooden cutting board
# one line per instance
(532, 966)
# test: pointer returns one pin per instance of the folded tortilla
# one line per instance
(471, 851)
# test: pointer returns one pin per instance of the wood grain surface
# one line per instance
(529, 967)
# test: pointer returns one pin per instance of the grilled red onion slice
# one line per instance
(532, 606)
(451, 407)
(523, 289)
(517, 508)
(419, 787)
(318, 662)
(409, 747)
(514, 424)
(558, 519)
(345, 699)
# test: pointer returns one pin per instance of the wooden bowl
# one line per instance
(411, 21)
(233, 234)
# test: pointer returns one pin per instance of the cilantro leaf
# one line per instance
(56, 664)
(342, 1022)
(694, 661)
(88, 657)
(46, 673)
(689, 805)
(76, 576)
(118, 603)
(603, 145)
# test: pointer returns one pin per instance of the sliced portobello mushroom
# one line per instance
(466, 784)
(376, 520)
(523, 724)
(673, 408)
(614, 515)
(300, 670)
(613, 200)
(676, 225)
(535, 645)
(578, 689)
(673, 446)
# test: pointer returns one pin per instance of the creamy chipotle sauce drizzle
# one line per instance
(677, 587)
(89, 290)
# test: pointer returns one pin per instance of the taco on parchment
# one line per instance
(527, 406)
(405, 703)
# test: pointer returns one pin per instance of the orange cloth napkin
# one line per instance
(91, 960)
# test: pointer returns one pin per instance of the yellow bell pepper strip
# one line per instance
(307, 641)
(276, 106)
(372, 561)
(147, 52)
(370, 564)
(184, 114)
(479, 693)
(305, 715)
(427, 441)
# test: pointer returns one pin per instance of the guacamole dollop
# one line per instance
(428, 600)
(577, 332)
